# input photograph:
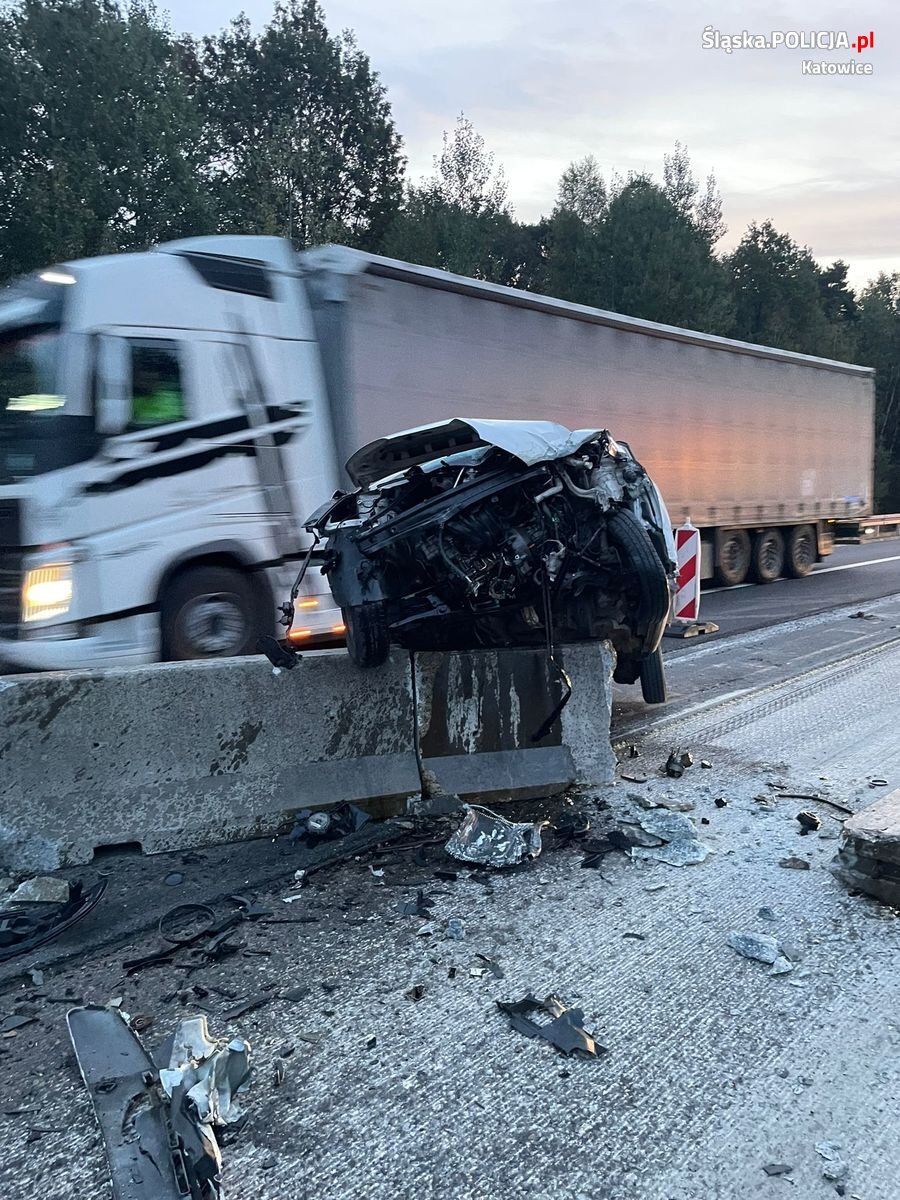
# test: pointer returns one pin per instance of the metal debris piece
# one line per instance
(564, 1030)
(676, 839)
(494, 967)
(705, 764)
(571, 825)
(596, 849)
(446, 875)
(674, 766)
(635, 778)
(794, 864)
(687, 759)
(777, 1169)
(279, 1072)
(633, 751)
(760, 946)
(312, 827)
(876, 783)
(41, 889)
(808, 821)
(486, 838)
(720, 802)
(18, 1021)
(141, 1022)
(27, 927)
(416, 992)
(863, 616)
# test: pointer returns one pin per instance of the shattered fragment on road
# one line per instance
(760, 946)
(777, 1169)
(486, 838)
(672, 838)
(794, 864)
(25, 927)
(808, 821)
(564, 1030)
(674, 767)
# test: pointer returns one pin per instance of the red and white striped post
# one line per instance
(687, 580)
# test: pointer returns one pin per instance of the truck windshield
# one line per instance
(37, 434)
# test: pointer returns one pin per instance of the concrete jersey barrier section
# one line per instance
(191, 754)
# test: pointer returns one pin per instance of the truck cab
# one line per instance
(164, 429)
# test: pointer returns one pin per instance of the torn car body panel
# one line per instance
(483, 533)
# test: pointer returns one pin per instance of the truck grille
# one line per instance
(10, 567)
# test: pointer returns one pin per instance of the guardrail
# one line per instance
(867, 529)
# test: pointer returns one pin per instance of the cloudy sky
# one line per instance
(548, 81)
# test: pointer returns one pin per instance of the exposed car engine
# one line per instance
(473, 534)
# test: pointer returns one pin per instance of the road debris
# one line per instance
(836, 1167)
(869, 853)
(486, 838)
(705, 764)
(666, 836)
(416, 992)
(564, 1030)
(760, 946)
(417, 907)
(794, 864)
(777, 1169)
(633, 751)
(494, 967)
(41, 889)
(808, 821)
(634, 778)
(720, 802)
(456, 929)
(674, 767)
(312, 827)
(27, 926)
(596, 849)
(687, 759)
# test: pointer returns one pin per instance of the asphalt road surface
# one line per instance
(851, 575)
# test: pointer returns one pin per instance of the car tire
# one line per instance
(653, 678)
(209, 612)
(734, 557)
(628, 534)
(768, 556)
(368, 640)
(802, 550)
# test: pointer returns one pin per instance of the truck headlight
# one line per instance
(47, 592)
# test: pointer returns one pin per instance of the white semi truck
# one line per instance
(168, 420)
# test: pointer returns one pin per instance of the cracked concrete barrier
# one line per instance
(191, 754)
(477, 713)
(869, 855)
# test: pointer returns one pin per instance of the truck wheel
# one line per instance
(801, 550)
(208, 612)
(768, 556)
(653, 678)
(368, 641)
(734, 553)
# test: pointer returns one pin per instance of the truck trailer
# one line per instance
(169, 418)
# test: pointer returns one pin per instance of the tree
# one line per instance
(299, 132)
(777, 294)
(878, 346)
(582, 192)
(459, 219)
(656, 264)
(98, 138)
(704, 211)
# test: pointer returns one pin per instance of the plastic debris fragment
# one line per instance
(486, 838)
(564, 1029)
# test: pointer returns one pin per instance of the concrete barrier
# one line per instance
(190, 754)
(477, 714)
(193, 754)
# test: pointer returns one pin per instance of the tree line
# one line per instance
(116, 134)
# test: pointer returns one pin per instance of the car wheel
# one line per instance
(628, 534)
(768, 556)
(734, 555)
(208, 612)
(368, 641)
(801, 551)
(653, 678)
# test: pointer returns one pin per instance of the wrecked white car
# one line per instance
(478, 533)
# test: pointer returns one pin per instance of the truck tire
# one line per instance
(733, 557)
(768, 556)
(628, 534)
(802, 550)
(653, 678)
(368, 641)
(208, 612)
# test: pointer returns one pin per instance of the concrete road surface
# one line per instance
(713, 1068)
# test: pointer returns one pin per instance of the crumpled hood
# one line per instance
(529, 441)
